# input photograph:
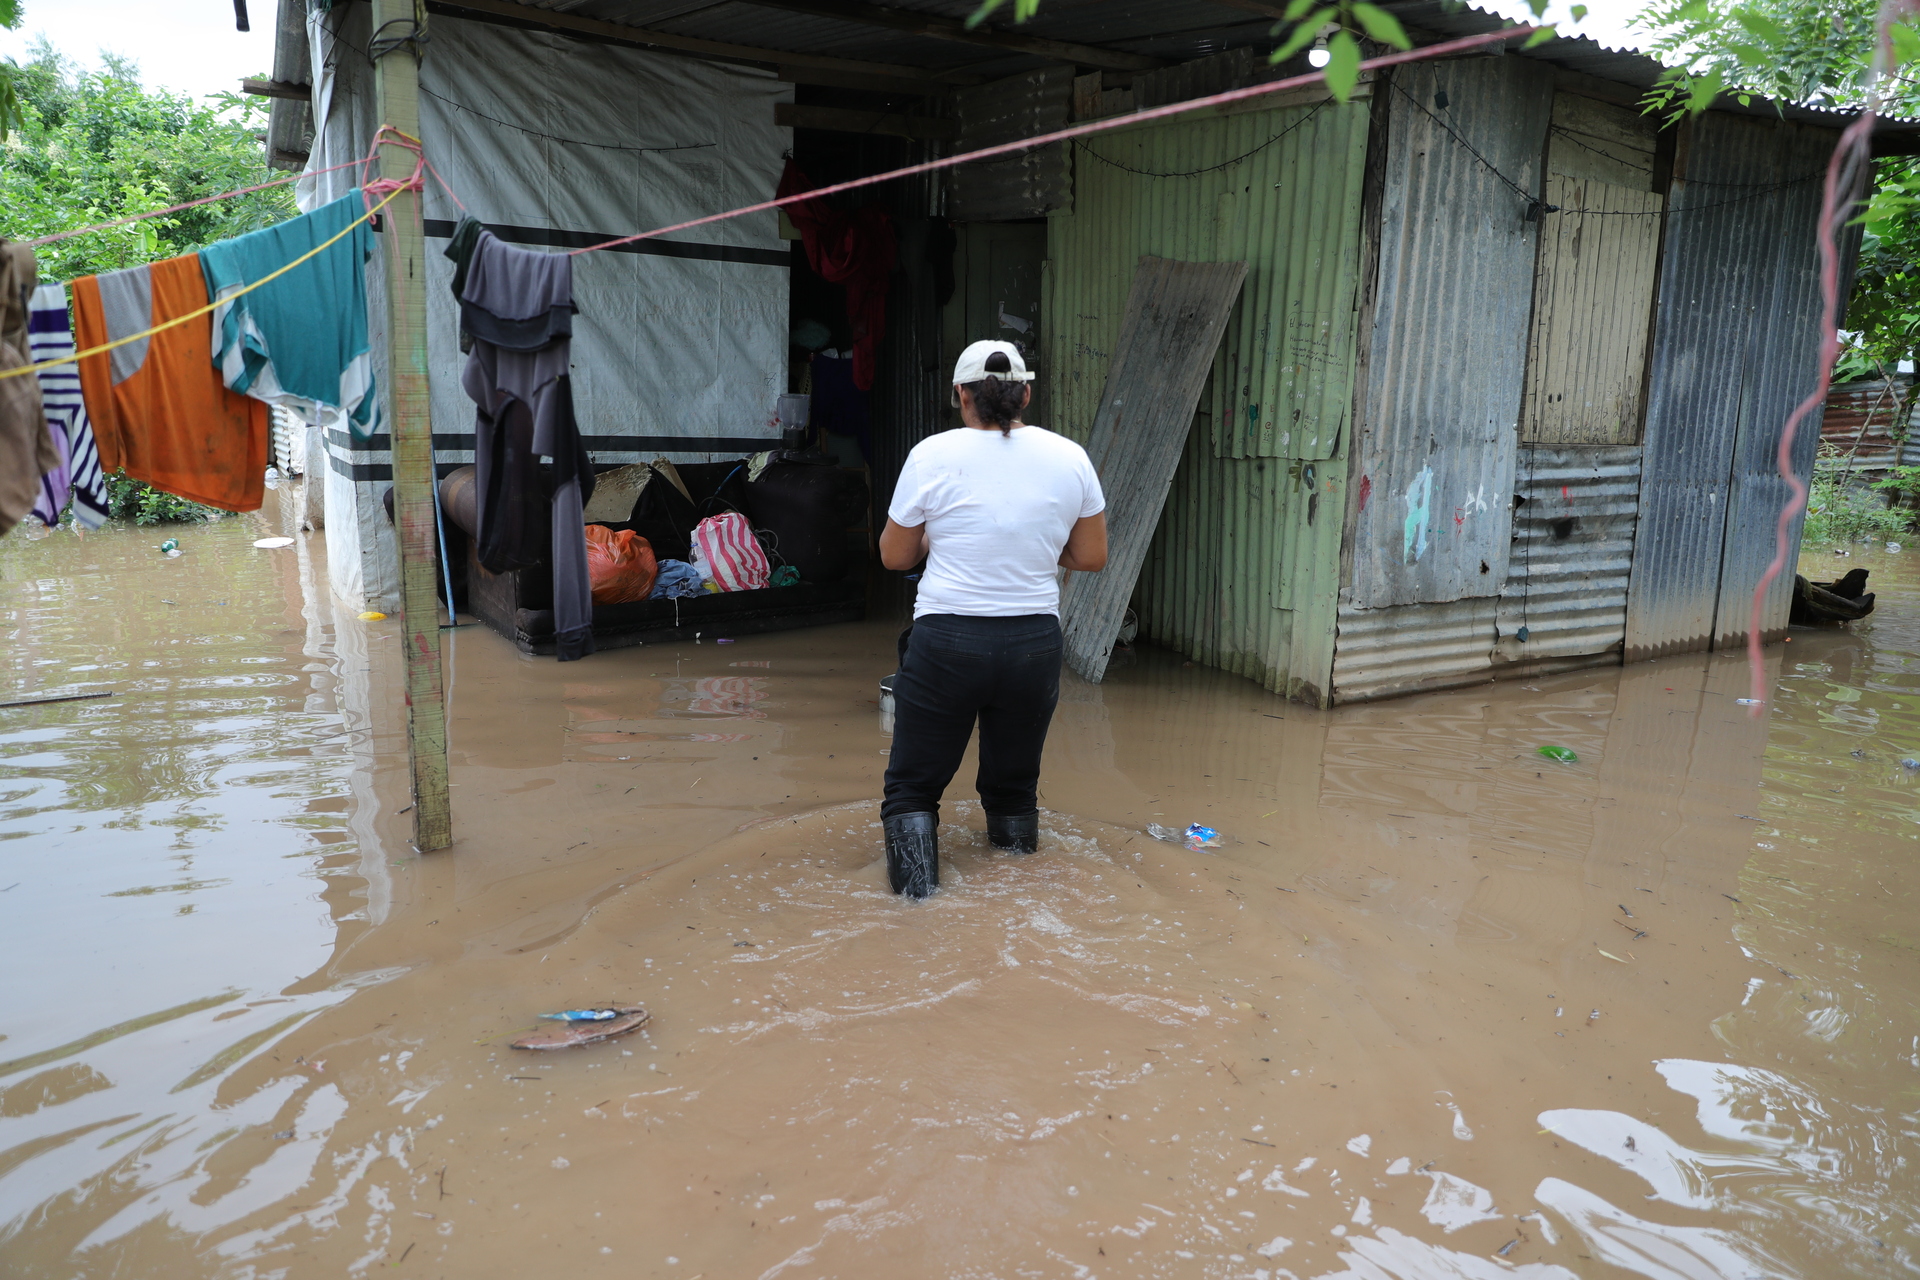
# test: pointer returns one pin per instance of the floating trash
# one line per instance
(571, 1033)
(1195, 837)
(170, 548)
(373, 615)
(582, 1015)
(1911, 764)
(1559, 753)
(269, 544)
(1750, 702)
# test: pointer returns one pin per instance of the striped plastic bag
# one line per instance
(732, 554)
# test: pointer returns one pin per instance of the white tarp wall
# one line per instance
(679, 348)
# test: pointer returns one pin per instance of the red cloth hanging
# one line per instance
(851, 249)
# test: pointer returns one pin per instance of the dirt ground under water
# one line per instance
(1441, 1007)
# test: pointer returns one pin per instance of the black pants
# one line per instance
(1005, 672)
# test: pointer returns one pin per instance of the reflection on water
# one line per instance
(1443, 1007)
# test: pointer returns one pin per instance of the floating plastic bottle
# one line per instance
(1750, 702)
(1196, 837)
(1564, 754)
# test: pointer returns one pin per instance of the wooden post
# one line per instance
(409, 421)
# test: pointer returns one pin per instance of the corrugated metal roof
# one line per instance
(1434, 443)
(1243, 571)
(1177, 31)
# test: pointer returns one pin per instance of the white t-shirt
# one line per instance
(998, 509)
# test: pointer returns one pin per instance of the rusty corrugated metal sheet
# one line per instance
(1243, 571)
(1434, 444)
(1862, 420)
(1572, 554)
(1732, 337)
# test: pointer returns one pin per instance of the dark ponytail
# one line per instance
(998, 400)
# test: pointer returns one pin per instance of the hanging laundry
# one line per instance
(524, 411)
(299, 341)
(459, 251)
(50, 333)
(852, 249)
(516, 299)
(160, 411)
(26, 449)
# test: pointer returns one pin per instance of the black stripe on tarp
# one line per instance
(558, 238)
(382, 442)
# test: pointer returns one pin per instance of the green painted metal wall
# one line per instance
(1244, 570)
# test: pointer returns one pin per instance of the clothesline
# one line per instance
(392, 187)
(1074, 131)
(423, 166)
(191, 204)
(78, 356)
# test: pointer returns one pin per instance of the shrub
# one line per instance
(129, 499)
(1836, 513)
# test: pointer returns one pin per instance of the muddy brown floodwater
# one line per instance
(1442, 1007)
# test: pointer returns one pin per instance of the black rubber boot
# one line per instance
(1019, 834)
(913, 853)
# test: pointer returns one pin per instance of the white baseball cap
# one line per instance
(972, 366)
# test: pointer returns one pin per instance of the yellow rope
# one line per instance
(78, 356)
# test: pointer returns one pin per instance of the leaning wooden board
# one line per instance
(1176, 313)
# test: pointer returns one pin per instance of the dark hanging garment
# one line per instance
(530, 513)
(515, 298)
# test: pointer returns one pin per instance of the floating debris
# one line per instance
(569, 1035)
(1564, 754)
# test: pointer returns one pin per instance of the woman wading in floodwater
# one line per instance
(996, 508)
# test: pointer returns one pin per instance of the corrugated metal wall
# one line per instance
(1433, 454)
(1566, 584)
(1243, 571)
(1594, 289)
(1861, 422)
(909, 386)
(1787, 356)
(1734, 335)
(1027, 184)
(1572, 553)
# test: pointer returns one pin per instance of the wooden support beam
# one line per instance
(396, 88)
(844, 120)
(277, 89)
(553, 20)
(936, 27)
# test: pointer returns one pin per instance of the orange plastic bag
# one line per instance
(620, 565)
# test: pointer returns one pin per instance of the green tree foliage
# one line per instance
(1818, 53)
(90, 147)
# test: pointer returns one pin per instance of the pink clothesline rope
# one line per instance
(191, 204)
(1074, 131)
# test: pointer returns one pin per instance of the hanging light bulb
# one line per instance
(1317, 54)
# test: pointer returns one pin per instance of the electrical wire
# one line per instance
(217, 303)
(1212, 168)
(1073, 131)
(1534, 201)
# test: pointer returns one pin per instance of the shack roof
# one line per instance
(928, 36)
